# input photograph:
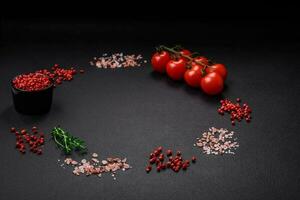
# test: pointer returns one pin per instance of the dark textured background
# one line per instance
(129, 112)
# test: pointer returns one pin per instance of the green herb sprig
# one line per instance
(67, 142)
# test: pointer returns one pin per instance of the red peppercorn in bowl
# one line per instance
(31, 82)
(32, 93)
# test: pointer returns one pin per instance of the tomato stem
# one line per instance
(171, 50)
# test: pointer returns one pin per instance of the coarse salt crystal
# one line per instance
(94, 155)
(212, 143)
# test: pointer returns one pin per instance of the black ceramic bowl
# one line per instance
(32, 102)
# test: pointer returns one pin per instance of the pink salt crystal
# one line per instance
(94, 167)
(117, 60)
(211, 142)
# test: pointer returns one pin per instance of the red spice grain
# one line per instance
(148, 168)
(193, 159)
(13, 130)
(158, 168)
(159, 149)
(169, 152)
(153, 160)
(34, 129)
(23, 131)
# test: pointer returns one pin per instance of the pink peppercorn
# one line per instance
(32, 141)
(31, 82)
(175, 163)
(148, 168)
(169, 152)
(193, 159)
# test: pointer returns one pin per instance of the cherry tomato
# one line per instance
(186, 53)
(192, 76)
(176, 69)
(159, 61)
(212, 83)
(197, 67)
(202, 59)
(218, 68)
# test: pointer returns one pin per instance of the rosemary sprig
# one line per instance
(67, 142)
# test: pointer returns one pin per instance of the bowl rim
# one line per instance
(46, 88)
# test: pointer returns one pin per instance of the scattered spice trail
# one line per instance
(217, 142)
(117, 60)
(59, 74)
(95, 167)
(35, 141)
(41, 79)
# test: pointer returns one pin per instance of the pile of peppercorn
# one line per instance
(31, 82)
(173, 162)
(35, 141)
(236, 110)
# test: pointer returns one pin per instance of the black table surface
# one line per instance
(129, 112)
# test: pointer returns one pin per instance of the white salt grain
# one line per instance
(117, 60)
(217, 141)
(95, 167)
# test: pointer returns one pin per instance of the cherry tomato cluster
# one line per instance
(237, 112)
(31, 82)
(34, 140)
(174, 162)
(197, 71)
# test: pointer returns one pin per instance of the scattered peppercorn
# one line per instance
(148, 168)
(13, 130)
(34, 129)
(174, 163)
(236, 111)
(23, 131)
(35, 143)
(169, 152)
(59, 74)
(193, 159)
